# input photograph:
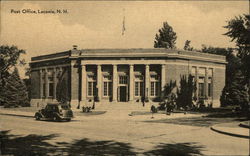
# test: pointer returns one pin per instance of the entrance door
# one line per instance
(123, 93)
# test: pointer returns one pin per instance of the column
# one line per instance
(163, 76)
(46, 84)
(54, 83)
(41, 83)
(131, 82)
(147, 85)
(99, 81)
(115, 83)
(84, 84)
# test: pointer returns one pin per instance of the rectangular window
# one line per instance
(91, 85)
(136, 88)
(152, 89)
(201, 90)
(105, 89)
(201, 87)
(90, 88)
(51, 89)
(107, 85)
(44, 90)
(209, 87)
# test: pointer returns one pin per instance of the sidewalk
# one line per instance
(232, 129)
(109, 115)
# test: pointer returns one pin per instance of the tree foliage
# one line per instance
(168, 95)
(14, 93)
(185, 92)
(9, 58)
(187, 46)
(236, 93)
(239, 31)
(166, 37)
(62, 88)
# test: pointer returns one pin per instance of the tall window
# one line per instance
(154, 85)
(209, 86)
(201, 91)
(91, 88)
(139, 85)
(51, 86)
(107, 85)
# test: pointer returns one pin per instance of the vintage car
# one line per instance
(55, 111)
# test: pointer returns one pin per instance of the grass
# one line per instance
(209, 118)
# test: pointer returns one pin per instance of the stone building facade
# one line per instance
(123, 75)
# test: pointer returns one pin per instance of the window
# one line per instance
(107, 85)
(209, 87)
(51, 89)
(123, 80)
(44, 89)
(201, 87)
(154, 85)
(91, 88)
(139, 85)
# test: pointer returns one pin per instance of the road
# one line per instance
(99, 135)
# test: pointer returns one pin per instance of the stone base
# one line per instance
(216, 104)
(74, 104)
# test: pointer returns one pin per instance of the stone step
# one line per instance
(122, 106)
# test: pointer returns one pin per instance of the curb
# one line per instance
(228, 133)
(27, 116)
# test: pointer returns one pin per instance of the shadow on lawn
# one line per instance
(87, 147)
(38, 145)
(178, 149)
(26, 145)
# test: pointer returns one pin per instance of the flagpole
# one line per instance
(123, 23)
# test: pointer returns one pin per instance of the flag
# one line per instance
(123, 24)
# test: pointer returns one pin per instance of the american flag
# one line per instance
(123, 24)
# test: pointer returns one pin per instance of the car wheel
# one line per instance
(55, 118)
(37, 117)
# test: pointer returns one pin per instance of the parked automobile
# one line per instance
(55, 111)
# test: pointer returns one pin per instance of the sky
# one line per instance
(98, 24)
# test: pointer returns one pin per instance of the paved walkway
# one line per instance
(232, 129)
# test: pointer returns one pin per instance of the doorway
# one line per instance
(123, 93)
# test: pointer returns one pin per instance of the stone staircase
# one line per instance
(129, 106)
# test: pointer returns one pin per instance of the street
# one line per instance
(98, 135)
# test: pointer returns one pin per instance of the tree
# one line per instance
(62, 88)
(167, 95)
(9, 58)
(185, 92)
(239, 31)
(166, 37)
(187, 46)
(236, 93)
(14, 93)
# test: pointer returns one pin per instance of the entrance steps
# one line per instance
(131, 106)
